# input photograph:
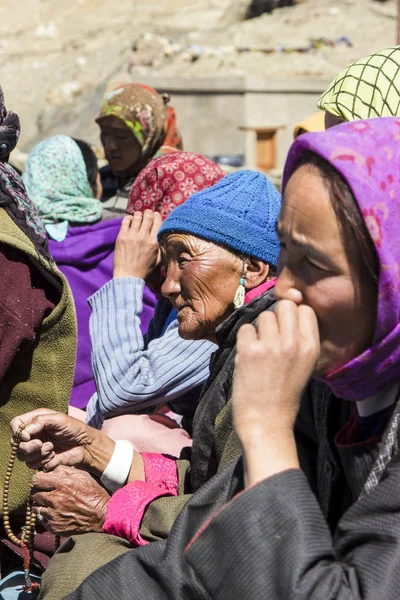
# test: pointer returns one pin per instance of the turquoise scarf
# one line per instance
(56, 180)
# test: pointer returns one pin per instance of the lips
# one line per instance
(180, 309)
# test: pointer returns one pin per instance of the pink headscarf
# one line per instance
(169, 180)
(367, 155)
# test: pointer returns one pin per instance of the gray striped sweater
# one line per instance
(132, 372)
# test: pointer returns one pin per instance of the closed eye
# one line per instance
(316, 267)
(183, 259)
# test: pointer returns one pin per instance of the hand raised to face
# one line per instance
(137, 251)
(274, 362)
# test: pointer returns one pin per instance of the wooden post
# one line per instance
(398, 22)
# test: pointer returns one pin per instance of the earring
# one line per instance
(238, 300)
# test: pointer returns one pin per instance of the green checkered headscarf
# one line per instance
(368, 88)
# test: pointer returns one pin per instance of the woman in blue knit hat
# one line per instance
(220, 252)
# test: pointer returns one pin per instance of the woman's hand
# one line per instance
(274, 362)
(137, 251)
(51, 439)
(70, 501)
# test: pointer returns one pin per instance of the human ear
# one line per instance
(256, 273)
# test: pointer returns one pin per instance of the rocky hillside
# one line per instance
(56, 57)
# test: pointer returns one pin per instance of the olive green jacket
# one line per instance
(40, 376)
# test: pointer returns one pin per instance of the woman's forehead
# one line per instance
(113, 122)
(307, 211)
(173, 243)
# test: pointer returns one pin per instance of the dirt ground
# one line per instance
(57, 56)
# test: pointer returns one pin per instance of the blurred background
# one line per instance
(241, 73)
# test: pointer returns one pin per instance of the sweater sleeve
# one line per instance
(131, 375)
(271, 541)
(23, 304)
(126, 508)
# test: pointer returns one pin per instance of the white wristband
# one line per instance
(117, 470)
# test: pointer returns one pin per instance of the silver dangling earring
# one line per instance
(238, 300)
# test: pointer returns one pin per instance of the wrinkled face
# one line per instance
(319, 268)
(121, 148)
(201, 282)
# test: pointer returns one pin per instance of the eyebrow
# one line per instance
(308, 249)
(173, 245)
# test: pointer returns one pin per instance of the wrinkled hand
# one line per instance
(137, 251)
(51, 439)
(71, 501)
(274, 362)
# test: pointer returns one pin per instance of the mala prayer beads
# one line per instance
(26, 542)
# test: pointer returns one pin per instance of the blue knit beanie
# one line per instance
(239, 212)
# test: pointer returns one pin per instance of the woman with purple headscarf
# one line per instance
(322, 468)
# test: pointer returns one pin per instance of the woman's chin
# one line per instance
(185, 331)
(189, 331)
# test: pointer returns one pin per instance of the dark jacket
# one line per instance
(285, 542)
(215, 444)
(281, 539)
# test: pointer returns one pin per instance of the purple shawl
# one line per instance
(367, 154)
(86, 258)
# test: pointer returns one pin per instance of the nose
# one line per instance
(109, 143)
(171, 286)
(286, 287)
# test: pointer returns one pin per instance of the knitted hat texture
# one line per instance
(239, 212)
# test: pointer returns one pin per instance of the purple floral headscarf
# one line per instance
(367, 154)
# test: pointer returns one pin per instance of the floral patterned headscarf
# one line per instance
(144, 112)
(169, 180)
(367, 154)
(57, 182)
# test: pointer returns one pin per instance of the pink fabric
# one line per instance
(148, 433)
(259, 291)
(160, 470)
(126, 508)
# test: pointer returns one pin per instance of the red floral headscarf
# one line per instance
(170, 180)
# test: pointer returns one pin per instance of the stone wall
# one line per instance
(211, 111)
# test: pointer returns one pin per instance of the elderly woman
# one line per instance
(135, 126)
(133, 372)
(365, 89)
(136, 373)
(319, 516)
(62, 179)
(218, 247)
